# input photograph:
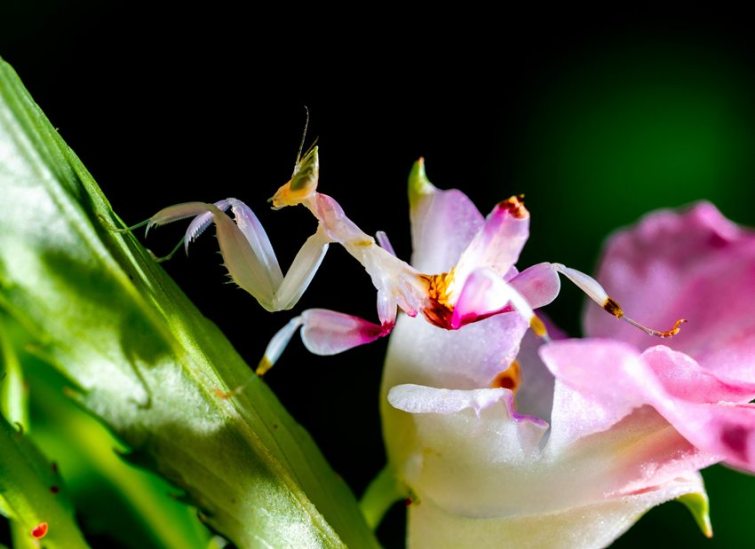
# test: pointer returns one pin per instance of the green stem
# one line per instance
(384, 490)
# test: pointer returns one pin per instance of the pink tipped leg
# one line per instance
(538, 284)
(327, 332)
(323, 332)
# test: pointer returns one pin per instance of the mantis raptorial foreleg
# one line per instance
(247, 252)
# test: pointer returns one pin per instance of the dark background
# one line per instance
(596, 118)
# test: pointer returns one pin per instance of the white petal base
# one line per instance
(589, 526)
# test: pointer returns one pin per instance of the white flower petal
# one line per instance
(465, 477)
(443, 224)
(595, 525)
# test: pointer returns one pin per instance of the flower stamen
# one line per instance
(440, 310)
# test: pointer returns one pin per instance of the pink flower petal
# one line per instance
(614, 379)
(327, 332)
(484, 294)
(682, 377)
(498, 243)
(443, 225)
(695, 265)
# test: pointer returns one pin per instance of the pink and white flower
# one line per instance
(599, 430)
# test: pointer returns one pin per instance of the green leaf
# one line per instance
(32, 494)
(148, 363)
(12, 390)
(114, 500)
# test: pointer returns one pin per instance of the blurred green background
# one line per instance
(597, 119)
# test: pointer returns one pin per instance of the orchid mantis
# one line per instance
(480, 281)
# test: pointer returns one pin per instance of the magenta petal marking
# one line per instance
(484, 294)
(327, 332)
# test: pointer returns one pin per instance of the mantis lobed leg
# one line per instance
(247, 252)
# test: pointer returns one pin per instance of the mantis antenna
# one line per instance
(303, 136)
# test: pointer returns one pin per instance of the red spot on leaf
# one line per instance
(39, 531)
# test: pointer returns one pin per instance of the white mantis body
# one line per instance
(483, 282)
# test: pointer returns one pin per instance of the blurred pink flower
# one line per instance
(596, 431)
(698, 262)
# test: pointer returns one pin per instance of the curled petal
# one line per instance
(500, 470)
(418, 399)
